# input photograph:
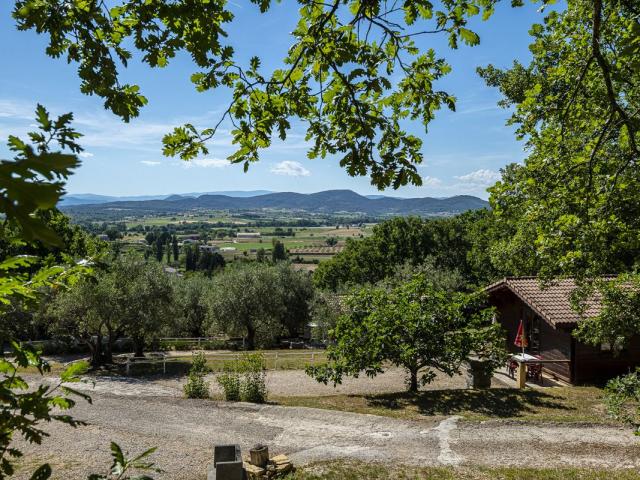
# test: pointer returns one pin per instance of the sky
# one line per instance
(463, 151)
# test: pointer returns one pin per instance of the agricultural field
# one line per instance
(306, 244)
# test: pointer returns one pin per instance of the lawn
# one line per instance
(369, 471)
(557, 404)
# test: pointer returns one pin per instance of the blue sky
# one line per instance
(463, 150)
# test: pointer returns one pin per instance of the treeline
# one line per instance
(459, 244)
(478, 246)
(136, 299)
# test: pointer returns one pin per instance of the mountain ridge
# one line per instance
(327, 202)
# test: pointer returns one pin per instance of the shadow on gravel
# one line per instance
(496, 402)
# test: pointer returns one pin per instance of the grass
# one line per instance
(274, 360)
(559, 404)
(371, 471)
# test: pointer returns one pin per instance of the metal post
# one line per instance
(275, 362)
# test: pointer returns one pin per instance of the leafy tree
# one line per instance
(175, 248)
(574, 203)
(23, 190)
(618, 321)
(159, 248)
(190, 258)
(278, 252)
(415, 326)
(331, 241)
(352, 74)
(85, 313)
(297, 294)
(246, 300)
(403, 241)
(325, 309)
(190, 306)
(32, 184)
(142, 298)
(446, 280)
(208, 262)
(261, 255)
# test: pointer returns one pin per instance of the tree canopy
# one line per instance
(353, 74)
(573, 205)
(417, 326)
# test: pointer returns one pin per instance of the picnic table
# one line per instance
(530, 364)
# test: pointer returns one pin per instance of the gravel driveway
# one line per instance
(186, 430)
(279, 383)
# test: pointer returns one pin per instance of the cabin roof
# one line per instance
(551, 301)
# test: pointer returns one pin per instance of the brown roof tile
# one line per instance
(551, 301)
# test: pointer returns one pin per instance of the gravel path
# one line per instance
(279, 383)
(186, 430)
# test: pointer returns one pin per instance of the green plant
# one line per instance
(244, 379)
(622, 399)
(253, 386)
(229, 380)
(197, 386)
(122, 465)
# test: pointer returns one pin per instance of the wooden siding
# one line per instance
(555, 344)
(587, 363)
(593, 364)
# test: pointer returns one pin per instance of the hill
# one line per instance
(326, 202)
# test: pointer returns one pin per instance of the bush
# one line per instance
(244, 379)
(622, 399)
(229, 380)
(253, 387)
(197, 386)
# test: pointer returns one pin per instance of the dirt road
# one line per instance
(186, 430)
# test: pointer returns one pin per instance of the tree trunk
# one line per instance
(96, 351)
(413, 382)
(138, 346)
(251, 338)
(108, 351)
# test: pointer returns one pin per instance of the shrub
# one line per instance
(244, 379)
(197, 386)
(229, 380)
(622, 399)
(253, 386)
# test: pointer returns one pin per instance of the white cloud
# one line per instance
(86, 154)
(480, 177)
(428, 181)
(206, 163)
(150, 163)
(291, 169)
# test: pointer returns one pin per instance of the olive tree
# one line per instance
(246, 300)
(142, 298)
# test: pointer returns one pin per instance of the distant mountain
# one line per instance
(92, 199)
(327, 202)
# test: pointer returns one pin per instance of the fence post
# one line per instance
(164, 366)
(275, 362)
(313, 356)
(127, 369)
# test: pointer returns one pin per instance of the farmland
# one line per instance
(308, 238)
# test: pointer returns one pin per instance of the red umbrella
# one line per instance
(521, 338)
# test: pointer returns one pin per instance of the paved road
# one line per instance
(185, 431)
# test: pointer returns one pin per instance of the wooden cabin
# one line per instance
(548, 320)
